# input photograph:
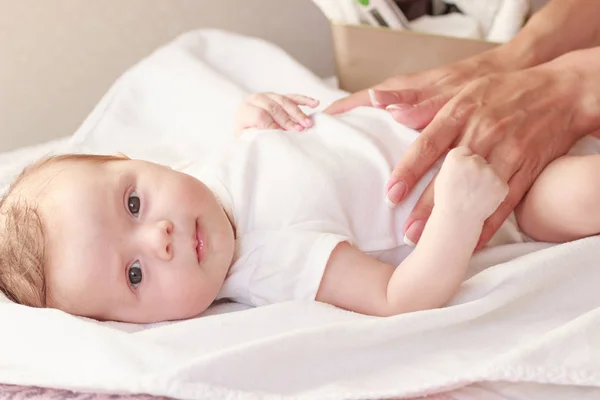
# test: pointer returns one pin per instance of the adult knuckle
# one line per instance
(459, 111)
(534, 166)
(531, 169)
(428, 147)
(491, 126)
(516, 152)
(423, 208)
(505, 166)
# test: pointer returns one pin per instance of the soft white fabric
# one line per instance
(498, 20)
(294, 197)
(508, 21)
(516, 330)
(453, 24)
(492, 20)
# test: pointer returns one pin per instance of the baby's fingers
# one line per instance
(293, 111)
(297, 113)
(302, 100)
(261, 119)
(279, 114)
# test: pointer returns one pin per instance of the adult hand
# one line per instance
(518, 121)
(415, 88)
(558, 28)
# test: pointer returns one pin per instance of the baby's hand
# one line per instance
(467, 185)
(275, 111)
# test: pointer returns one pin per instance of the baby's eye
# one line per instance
(134, 203)
(135, 274)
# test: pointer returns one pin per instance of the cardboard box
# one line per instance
(366, 55)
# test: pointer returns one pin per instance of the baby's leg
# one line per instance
(564, 202)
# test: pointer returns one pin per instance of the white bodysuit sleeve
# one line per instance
(280, 266)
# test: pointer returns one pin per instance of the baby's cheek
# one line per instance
(189, 295)
(189, 190)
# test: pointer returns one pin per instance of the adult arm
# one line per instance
(558, 28)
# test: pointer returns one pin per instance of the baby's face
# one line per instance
(132, 241)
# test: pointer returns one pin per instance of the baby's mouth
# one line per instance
(199, 242)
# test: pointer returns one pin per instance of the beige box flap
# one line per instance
(366, 55)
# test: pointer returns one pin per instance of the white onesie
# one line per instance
(295, 196)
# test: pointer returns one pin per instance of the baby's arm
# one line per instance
(467, 192)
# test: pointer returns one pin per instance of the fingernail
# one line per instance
(390, 203)
(298, 127)
(374, 101)
(409, 242)
(396, 194)
(414, 232)
(307, 122)
(399, 107)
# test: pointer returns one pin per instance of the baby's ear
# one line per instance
(122, 155)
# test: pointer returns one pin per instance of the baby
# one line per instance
(278, 216)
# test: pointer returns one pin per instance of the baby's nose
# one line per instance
(162, 239)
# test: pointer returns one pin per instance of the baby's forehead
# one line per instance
(42, 180)
(52, 177)
(38, 180)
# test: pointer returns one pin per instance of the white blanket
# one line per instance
(517, 329)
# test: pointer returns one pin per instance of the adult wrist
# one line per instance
(507, 57)
(579, 69)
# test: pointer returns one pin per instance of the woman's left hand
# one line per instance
(519, 122)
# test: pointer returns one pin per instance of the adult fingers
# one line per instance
(518, 186)
(427, 148)
(496, 135)
(383, 98)
(415, 223)
(376, 97)
(506, 158)
(418, 116)
(348, 103)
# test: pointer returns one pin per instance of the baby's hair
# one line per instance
(22, 241)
